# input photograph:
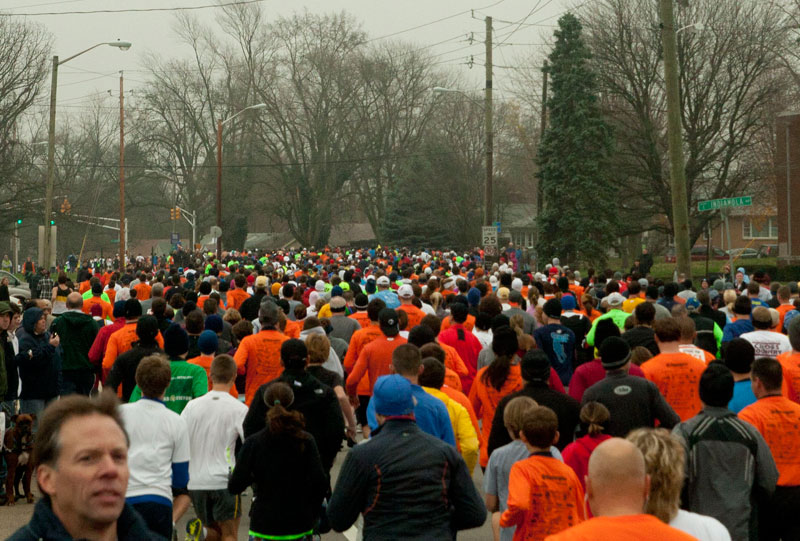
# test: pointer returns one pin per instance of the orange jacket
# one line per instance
(259, 358)
(143, 291)
(484, 399)
(205, 362)
(236, 297)
(105, 306)
(360, 338)
(778, 420)
(415, 315)
(790, 362)
(362, 318)
(469, 324)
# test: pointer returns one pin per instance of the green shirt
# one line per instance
(616, 315)
(188, 381)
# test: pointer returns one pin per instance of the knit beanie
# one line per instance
(614, 353)
(474, 296)
(552, 308)
(176, 341)
(214, 323)
(535, 366)
(605, 329)
(208, 342)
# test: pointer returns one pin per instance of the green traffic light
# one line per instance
(19, 221)
(52, 222)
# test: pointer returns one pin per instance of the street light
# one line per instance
(51, 144)
(489, 143)
(221, 123)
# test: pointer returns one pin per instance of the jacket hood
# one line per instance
(76, 318)
(313, 330)
(29, 319)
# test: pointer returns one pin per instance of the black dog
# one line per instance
(17, 448)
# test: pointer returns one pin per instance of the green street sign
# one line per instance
(728, 202)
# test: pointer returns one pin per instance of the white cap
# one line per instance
(383, 281)
(516, 283)
(405, 291)
(615, 299)
(493, 279)
(319, 286)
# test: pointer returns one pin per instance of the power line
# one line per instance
(454, 15)
(132, 10)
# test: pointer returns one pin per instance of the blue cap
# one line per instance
(568, 302)
(692, 304)
(392, 396)
(208, 342)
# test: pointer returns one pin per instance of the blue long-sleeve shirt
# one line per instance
(430, 413)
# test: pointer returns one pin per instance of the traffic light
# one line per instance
(52, 222)
(177, 213)
(171, 213)
(66, 206)
(19, 221)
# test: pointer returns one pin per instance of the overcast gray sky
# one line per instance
(97, 71)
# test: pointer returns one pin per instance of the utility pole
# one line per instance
(123, 223)
(543, 128)
(51, 169)
(680, 205)
(488, 127)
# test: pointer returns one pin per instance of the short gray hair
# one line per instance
(268, 313)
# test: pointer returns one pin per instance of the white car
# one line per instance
(17, 289)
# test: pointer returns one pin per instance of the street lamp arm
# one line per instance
(257, 106)
(122, 45)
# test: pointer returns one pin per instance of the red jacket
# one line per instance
(98, 349)
(576, 454)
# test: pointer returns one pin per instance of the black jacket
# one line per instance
(124, 370)
(408, 484)
(714, 315)
(565, 407)
(12, 378)
(39, 363)
(45, 526)
(633, 402)
(288, 482)
(318, 404)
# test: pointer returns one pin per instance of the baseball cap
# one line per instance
(762, 315)
(4, 307)
(405, 291)
(261, 282)
(383, 281)
(388, 322)
(338, 304)
(692, 304)
(615, 299)
(568, 302)
(502, 293)
(392, 396)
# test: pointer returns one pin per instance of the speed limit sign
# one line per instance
(489, 234)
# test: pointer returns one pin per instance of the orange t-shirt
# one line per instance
(259, 358)
(544, 498)
(462, 399)
(453, 380)
(84, 286)
(778, 420)
(360, 338)
(205, 362)
(790, 362)
(484, 400)
(111, 294)
(143, 292)
(697, 353)
(783, 309)
(374, 360)
(469, 324)
(121, 341)
(415, 315)
(236, 297)
(362, 318)
(677, 376)
(622, 528)
(106, 307)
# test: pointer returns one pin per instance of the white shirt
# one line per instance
(214, 421)
(767, 343)
(484, 337)
(158, 440)
(702, 527)
(428, 309)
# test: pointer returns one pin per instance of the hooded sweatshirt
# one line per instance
(77, 331)
(39, 363)
(332, 363)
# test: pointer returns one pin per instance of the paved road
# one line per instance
(11, 518)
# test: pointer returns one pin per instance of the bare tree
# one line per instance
(730, 74)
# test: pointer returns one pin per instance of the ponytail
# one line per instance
(281, 421)
(497, 372)
(594, 418)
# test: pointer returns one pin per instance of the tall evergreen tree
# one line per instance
(579, 220)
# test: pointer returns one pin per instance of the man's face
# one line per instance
(41, 325)
(16, 320)
(5, 321)
(88, 481)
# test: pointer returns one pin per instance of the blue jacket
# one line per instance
(39, 363)
(736, 329)
(45, 526)
(429, 412)
(408, 485)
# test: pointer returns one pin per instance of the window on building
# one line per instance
(760, 228)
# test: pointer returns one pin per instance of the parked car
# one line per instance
(16, 288)
(743, 253)
(767, 250)
(698, 253)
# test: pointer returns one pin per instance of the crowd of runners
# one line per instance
(598, 405)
